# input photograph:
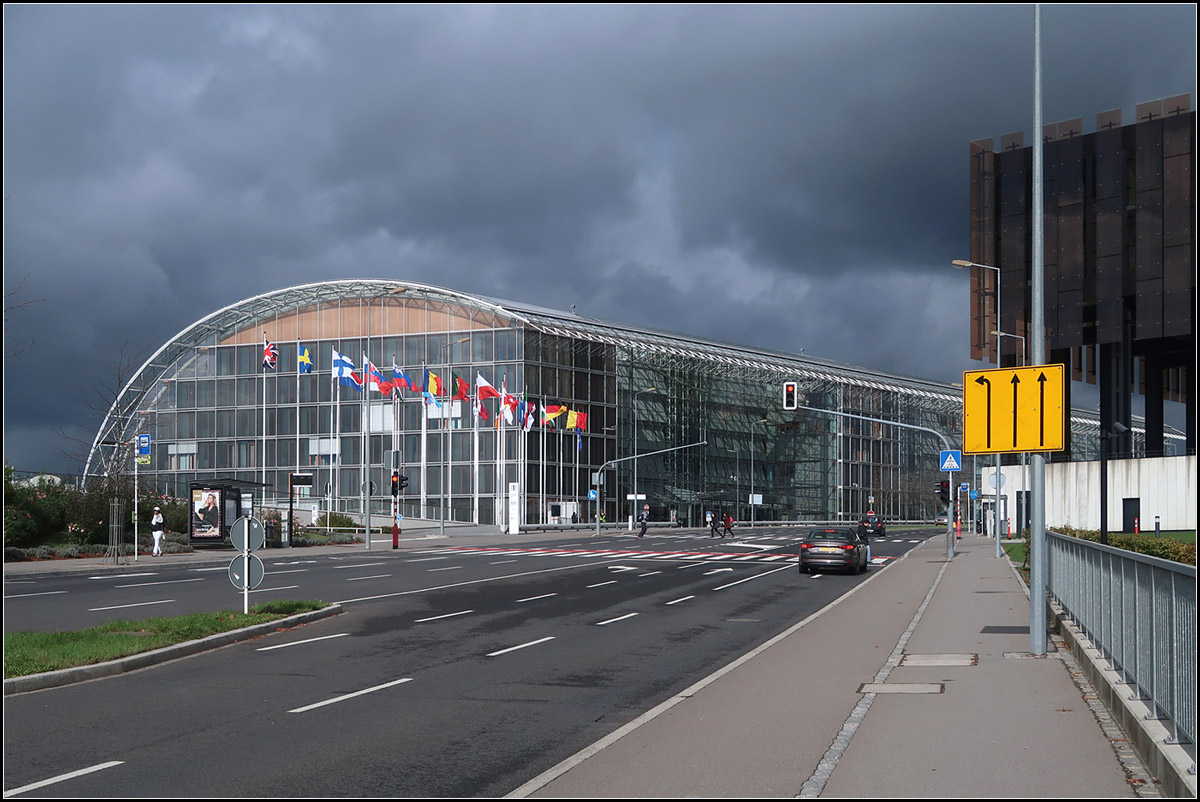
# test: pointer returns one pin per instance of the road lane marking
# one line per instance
(602, 584)
(618, 618)
(357, 565)
(61, 777)
(677, 601)
(426, 559)
(124, 576)
(469, 582)
(299, 642)
(43, 593)
(344, 697)
(535, 598)
(447, 615)
(756, 576)
(163, 582)
(522, 646)
(445, 568)
(375, 576)
(123, 606)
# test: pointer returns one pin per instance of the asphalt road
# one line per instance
(455, 671)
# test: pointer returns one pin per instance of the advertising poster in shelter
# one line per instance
(206, 515)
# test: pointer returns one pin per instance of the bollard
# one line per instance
(1157, 532)
(1137, 530)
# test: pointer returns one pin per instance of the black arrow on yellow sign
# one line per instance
(1016, 384)
(985, 380)
(1042, 407)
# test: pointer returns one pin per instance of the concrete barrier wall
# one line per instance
(1166, 487)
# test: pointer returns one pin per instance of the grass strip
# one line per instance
(36, 652)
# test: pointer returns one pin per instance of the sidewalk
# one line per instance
(918, 683)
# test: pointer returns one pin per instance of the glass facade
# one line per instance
(699, 426)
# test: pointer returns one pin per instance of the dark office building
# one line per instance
(1119, 258)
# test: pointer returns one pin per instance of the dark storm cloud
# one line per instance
(793, 177)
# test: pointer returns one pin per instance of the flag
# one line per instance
(270, 354)
(461, 389)
(343, 371)
(375, 380)
(304, 361)
(508, 403)
(480, 412)
(400, 380)
(552, 411)
(483, 389)
(433, 384)
(526, 414)
(430, 400)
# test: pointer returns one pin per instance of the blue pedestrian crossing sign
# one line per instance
(950, 460)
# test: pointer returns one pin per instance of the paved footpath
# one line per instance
(919, 683)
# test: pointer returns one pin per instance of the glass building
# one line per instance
(696, 425)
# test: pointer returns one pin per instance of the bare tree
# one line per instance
(114, 404)
(14, 347)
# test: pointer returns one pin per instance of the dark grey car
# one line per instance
(833, 548)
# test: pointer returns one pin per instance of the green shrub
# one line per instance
(1163, 547)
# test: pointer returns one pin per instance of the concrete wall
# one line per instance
(1166, 487)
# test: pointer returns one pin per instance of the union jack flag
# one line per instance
(270, 354)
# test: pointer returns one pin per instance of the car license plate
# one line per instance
(826, 549)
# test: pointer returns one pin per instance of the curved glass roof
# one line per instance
(726, 358)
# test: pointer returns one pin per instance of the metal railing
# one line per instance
(1140, 613)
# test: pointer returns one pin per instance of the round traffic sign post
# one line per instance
(246, 571)
(247, 534)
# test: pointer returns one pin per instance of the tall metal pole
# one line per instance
(633, 503)
(1037, 524)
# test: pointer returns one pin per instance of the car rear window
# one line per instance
(831, 534)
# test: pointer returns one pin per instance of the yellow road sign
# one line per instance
(1009, 410)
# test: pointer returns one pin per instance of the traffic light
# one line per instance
(789, 395)
(395, 483)
(944, 491)
(403, 481)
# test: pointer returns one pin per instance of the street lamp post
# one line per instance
(445, 423)
(1020, 507)
(633, 503)
(962, 263)
(752, 505)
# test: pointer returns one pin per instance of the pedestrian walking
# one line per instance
(156, 531)
(642, 521)
(728, 525)
(712, 519)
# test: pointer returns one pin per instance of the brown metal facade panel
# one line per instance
(1110, 227)
(1179, 290)
(1149, 309)
(982, 244)
(1178, 210)
(1070, 316)
(1149, 246)
(1148, 157)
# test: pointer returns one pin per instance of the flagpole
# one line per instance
(263, 459)
(542, 512)
(335, 411)
(424, 446)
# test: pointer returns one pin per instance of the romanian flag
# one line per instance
(433, 383)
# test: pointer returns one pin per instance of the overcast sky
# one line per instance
(785, 176)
